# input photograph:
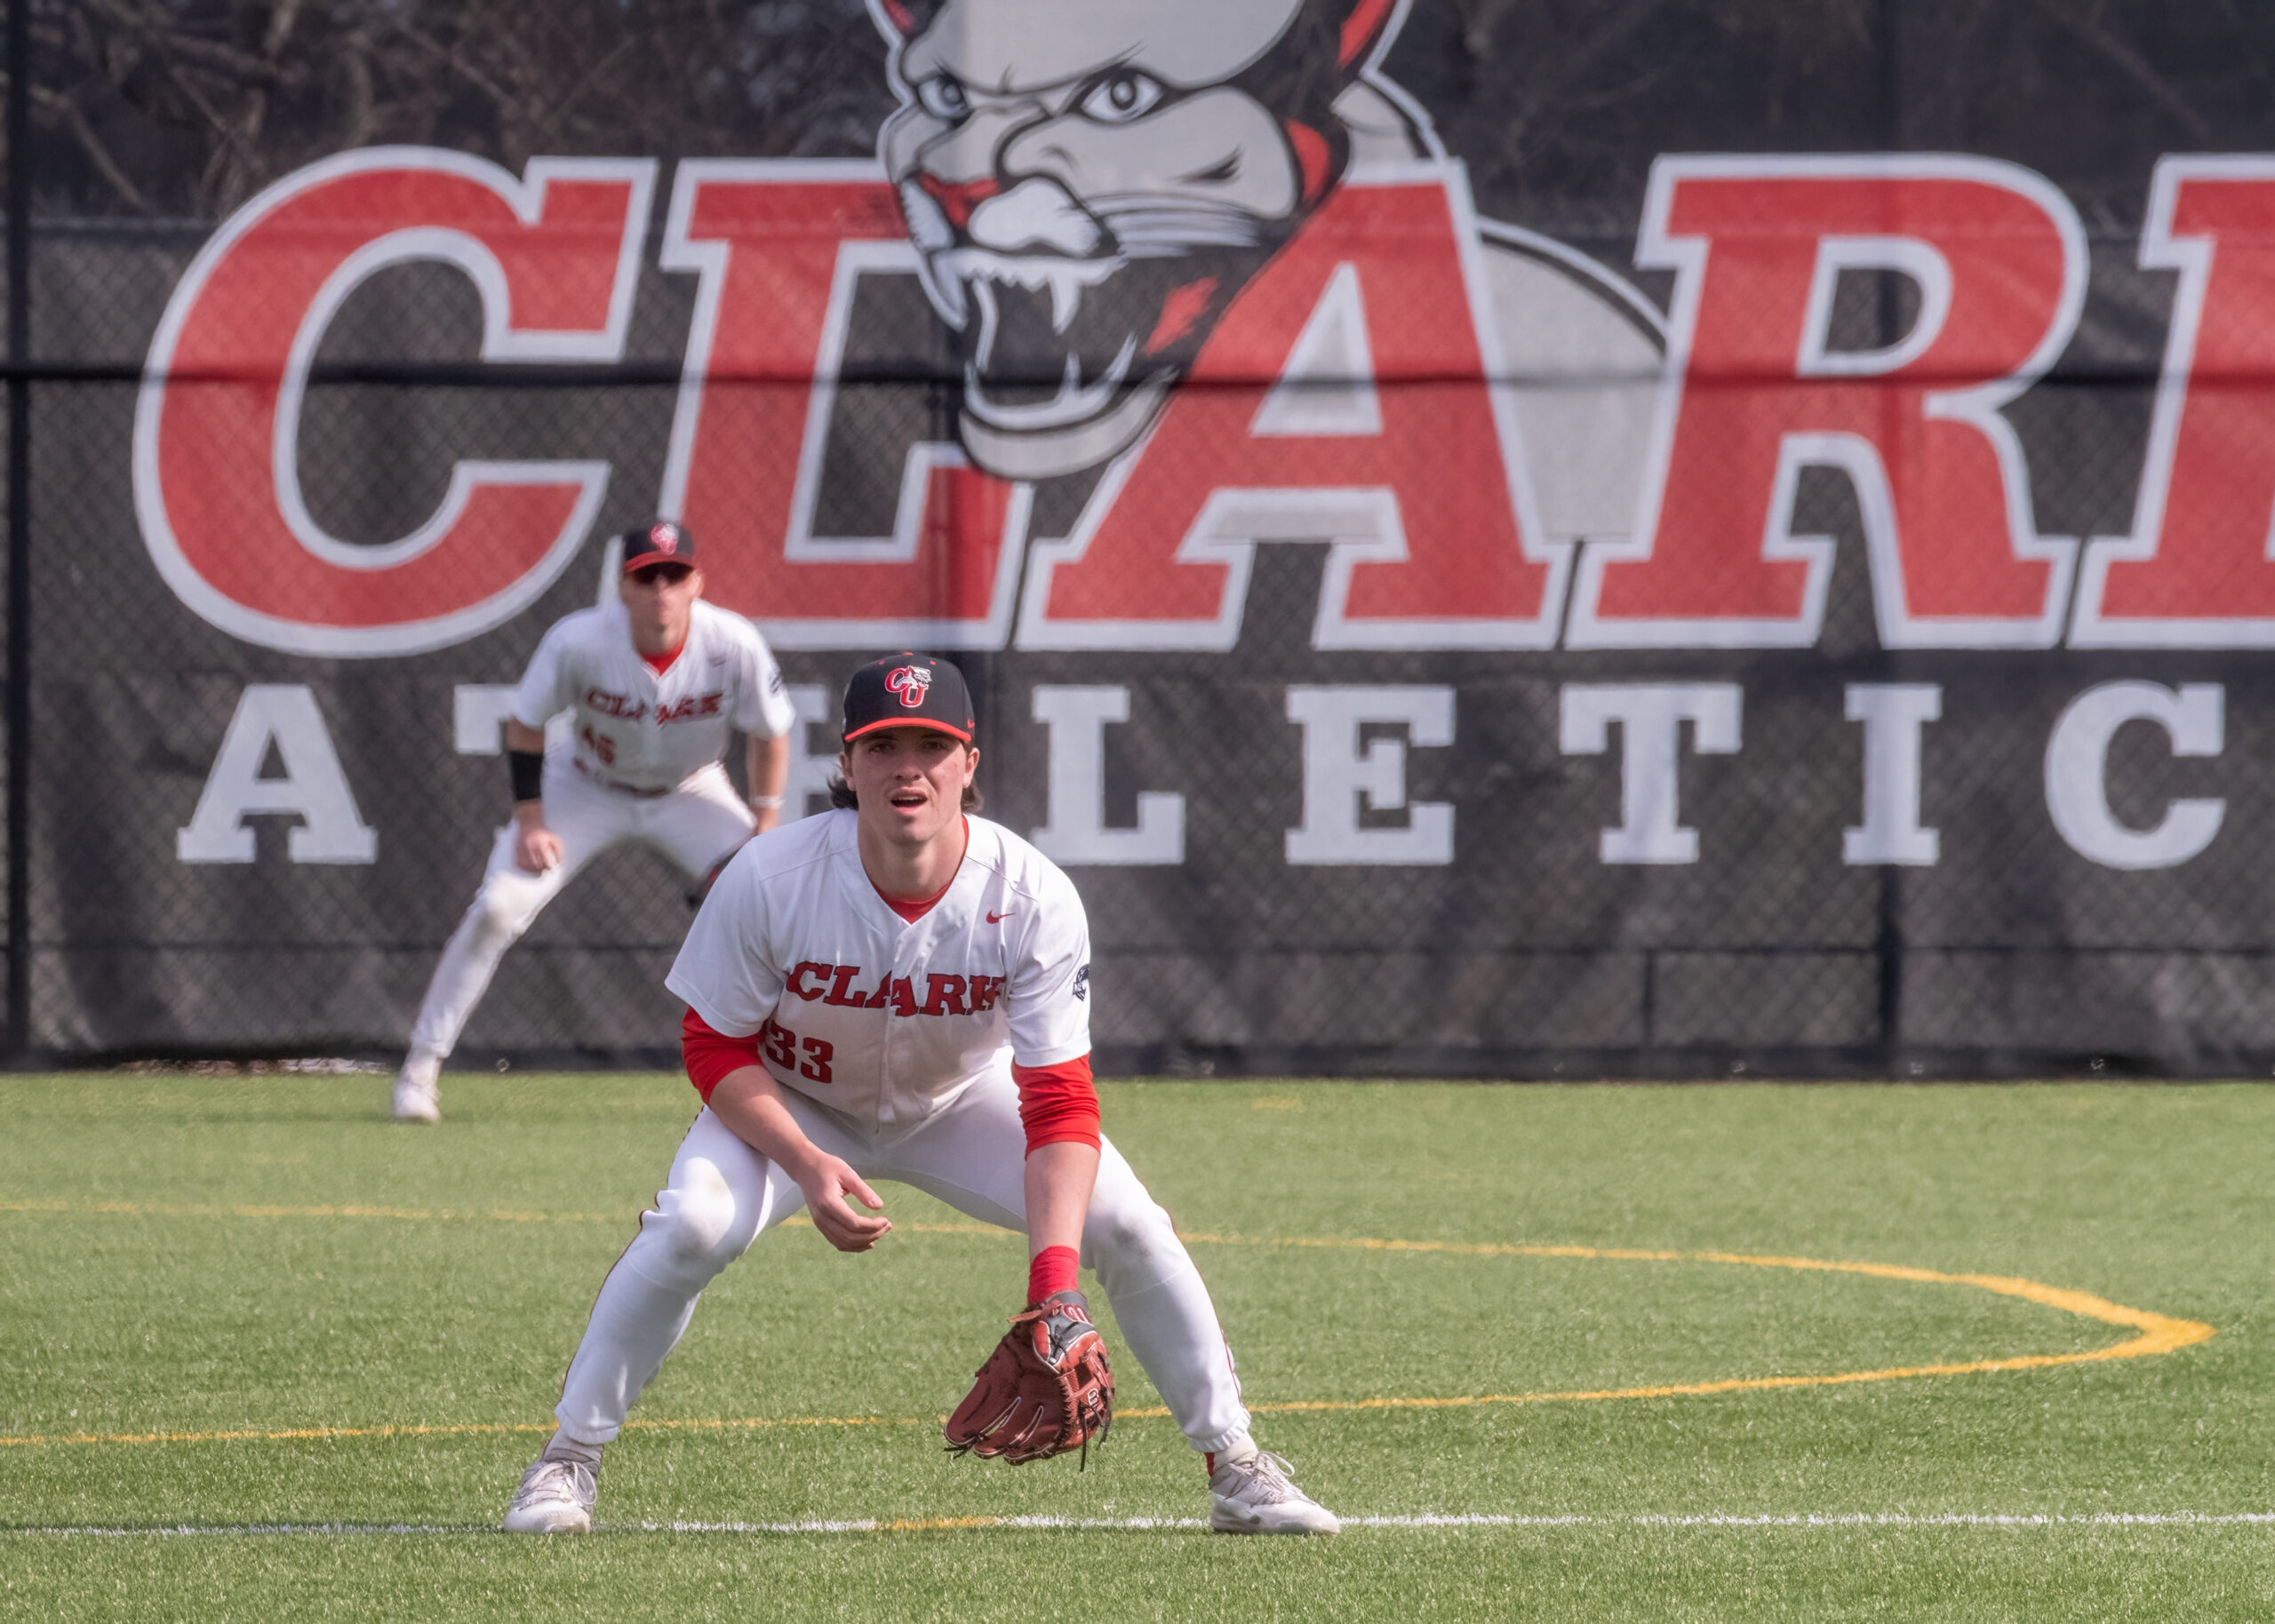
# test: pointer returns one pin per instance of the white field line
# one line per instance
(1428, 1520)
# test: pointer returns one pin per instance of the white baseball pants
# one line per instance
(695, 825)
(722, 1195)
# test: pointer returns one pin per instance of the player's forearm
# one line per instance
(750, 1103)
(766, 767)
(1059, 1178)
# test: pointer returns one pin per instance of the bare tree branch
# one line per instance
(2130, 63)
(67, 113)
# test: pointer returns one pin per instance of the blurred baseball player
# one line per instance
(897, 990)
(652, 684)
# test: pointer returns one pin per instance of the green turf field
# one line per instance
(235, 1311)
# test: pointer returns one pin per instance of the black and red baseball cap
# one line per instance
(908, 690)
(661, 543)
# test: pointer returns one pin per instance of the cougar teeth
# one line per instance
(1075, 402)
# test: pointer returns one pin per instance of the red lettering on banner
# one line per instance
(1755, 393)
(1342, 400)
(215, 477)
(2195, 571)
(780, 248)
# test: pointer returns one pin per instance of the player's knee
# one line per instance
(699, 1225)
(495, 919)
(1131, 1238)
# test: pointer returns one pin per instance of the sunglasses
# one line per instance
(672, 573)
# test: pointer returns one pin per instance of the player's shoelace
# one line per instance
(1268, 1483)
(564, 1480)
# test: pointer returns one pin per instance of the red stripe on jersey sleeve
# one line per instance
(712, 1057)
(1058, 1105)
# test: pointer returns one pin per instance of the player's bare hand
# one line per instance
(537, 850)
(827, 1183)
(536, 847)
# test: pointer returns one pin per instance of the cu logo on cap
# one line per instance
(910, 681)
(665, 539)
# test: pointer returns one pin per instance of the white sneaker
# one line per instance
(417, 1090)
(555, 1497)
(1255, 1496)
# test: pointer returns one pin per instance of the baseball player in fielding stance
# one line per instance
(652, 683)
(896, 990)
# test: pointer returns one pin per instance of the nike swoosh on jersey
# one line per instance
(997, 919)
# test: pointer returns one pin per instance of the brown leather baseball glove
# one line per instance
(1045, 1388)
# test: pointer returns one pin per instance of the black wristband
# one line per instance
(527, 770)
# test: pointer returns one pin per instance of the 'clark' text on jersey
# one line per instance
(638, 729)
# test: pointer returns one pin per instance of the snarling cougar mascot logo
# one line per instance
(1091, 183)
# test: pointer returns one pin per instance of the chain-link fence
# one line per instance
(1716, 622)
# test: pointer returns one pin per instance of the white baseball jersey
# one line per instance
(872, 1015)
(636, 730)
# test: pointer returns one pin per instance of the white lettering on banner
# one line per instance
(313, 785)
(1074, 830)
(1650, 717)
(478, 713)
(1339, 771)
(810, 774)
(1893, 714)
(2076, 762)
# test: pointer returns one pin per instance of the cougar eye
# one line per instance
(1122, 96)
(943, 98)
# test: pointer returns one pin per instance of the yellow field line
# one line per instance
(2159, 1332)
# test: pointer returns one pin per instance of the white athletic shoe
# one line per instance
(555, 1497)
(417, 1090)
(1255, 1496)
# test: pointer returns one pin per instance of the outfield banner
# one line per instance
(1462, 589)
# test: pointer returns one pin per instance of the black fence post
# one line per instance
(1888, 932)
(19, 528)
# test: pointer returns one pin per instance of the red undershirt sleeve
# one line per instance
(712, 1056)
(1058, 1105)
